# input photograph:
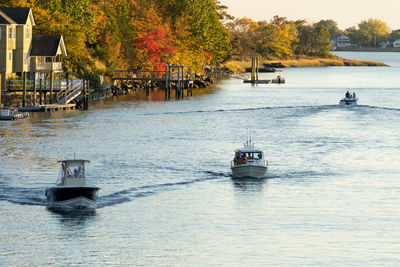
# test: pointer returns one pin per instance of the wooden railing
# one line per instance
(47, 66)
(70, 92)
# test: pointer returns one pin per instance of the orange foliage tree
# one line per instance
(153, 49)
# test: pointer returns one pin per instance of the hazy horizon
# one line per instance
(346, 13)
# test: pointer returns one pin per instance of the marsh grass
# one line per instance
(241, 65)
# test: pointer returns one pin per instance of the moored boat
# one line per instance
(249, 162)
(71, 191)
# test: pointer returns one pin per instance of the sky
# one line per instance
(346, 13)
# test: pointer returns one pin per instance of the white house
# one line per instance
(343, 41)
(396, 43)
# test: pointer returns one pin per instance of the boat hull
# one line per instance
(348, 101)
(80, 197)
(248, 171)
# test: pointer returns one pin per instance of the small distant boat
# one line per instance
(349, 99)
(71, 191)
(249, 162)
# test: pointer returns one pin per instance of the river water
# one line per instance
(330, 198)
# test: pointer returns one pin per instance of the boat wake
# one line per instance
(299, 174)
(36, 196)
(236, 110)
(310, 108)
(130, 194)
(23, 196)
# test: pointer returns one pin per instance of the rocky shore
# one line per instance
(128, 87)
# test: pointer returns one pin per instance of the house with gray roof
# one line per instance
(21, 51)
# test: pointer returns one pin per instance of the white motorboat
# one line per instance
(348, 101)
(249, 162)
(71, 190)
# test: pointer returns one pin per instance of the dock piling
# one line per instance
(51, 87)
(24, 89)
(40, 92)
(34, 88)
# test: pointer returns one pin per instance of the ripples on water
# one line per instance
(167, 197)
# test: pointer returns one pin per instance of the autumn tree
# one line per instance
(154, 49)
(242, 37)
(275, 40)
(209, 36)
(370, 32)
(313, 40)
(331, 26)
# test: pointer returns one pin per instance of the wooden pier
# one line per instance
(278, 79)
(54, 95)
(173, 77)
(254, 74)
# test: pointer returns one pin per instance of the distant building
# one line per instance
(341, 41)
(20, 51)
(396, 43)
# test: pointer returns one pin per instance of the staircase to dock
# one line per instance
(72, 91)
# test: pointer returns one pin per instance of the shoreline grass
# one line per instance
(241, 65)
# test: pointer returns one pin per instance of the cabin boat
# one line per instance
(248, 162)
(71, 190)
(348, 101)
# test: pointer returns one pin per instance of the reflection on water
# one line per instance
(77, 217)
(249, 184)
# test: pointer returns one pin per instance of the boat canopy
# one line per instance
(71, 160)
(248, 150)
(72, 172)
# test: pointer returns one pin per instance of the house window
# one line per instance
(27, 33)
(10, 33)
(14, 32)
(9, 56)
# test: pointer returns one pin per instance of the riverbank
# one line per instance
(241, 66)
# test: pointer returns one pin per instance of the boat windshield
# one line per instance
(72, 170)
(248, 155)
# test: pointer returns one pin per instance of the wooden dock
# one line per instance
(47, 108)
(173, 76)
(254, 74)
(276, 80)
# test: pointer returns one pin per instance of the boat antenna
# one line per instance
(250, 136)
(247, 141)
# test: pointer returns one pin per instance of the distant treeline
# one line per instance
(103, 35)
(281, 38)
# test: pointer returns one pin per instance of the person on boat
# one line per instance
(354, 95)
(77, 172)
(244, 158)
(347, 94)
(237, 158)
